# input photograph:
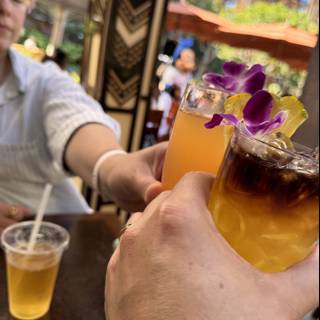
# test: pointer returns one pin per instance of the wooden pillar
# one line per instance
(121, 47)
(133, 39)
(308, 133)
(60, 15)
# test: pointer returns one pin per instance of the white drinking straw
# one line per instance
(39, 216)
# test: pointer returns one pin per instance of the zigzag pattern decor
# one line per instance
(126, 52)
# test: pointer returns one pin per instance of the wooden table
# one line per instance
(79, 292)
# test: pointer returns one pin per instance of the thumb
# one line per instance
(153, 191)
(301, 282)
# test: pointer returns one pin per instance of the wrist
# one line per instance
(103, 161)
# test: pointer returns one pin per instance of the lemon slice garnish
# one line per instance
(296, 114)
(235, 104)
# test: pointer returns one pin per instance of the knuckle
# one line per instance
(128, 240)
(112, 265)
(172, 216)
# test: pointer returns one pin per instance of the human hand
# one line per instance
(172, 263)
(10, 214)
(133, 180)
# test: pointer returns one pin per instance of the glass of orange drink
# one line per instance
(192, 147)
(265, 201)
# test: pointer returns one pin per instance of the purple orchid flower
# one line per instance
(256, 116)
(238, 78)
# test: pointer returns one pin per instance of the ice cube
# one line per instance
(276, 146)
(304, 165)
(315, 153)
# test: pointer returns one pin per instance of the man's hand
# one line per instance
(133, 180)
(172, 263)
(10, 214)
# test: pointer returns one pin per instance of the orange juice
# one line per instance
(267, 208)
(192, 147)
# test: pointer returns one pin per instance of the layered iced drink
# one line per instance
(265, 201)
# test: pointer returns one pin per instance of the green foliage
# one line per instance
(73, 51)
(264, 12)
(282, 79)
(40, 39)
(211, 5)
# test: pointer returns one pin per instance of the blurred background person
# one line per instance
(168, 102)
(59, 57)
(181, 72)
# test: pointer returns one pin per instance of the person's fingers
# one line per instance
(133, 219)
(14, 212)
(303, 280)
(18, 213)
(153, 190)
(193, 188)
(149, 180)
(157, 155)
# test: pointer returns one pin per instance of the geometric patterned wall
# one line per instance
(121, 47)
(131, 34)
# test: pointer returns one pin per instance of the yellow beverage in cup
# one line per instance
(265, 203)
(31, 281)
(192, 147)
(31, 276)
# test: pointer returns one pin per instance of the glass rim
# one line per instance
(295, 154)
(200, 84)
(61, 247)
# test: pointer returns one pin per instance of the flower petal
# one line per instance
(254, 83)
(222, 82)
(214, 122)
(254, 69)
(258, 109)
(229, 119)
(269, 126)
(234, 69)
(222, 119)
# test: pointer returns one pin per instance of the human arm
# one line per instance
(131, 180)
(172, 263)
(79, 132)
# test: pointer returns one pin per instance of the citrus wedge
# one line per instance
(235, 104)
(296, 114)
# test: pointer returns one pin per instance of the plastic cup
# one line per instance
(31, 276)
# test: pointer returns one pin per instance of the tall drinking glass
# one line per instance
(31, 276)
(192, 147)
(265, 202)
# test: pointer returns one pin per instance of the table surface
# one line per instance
(79, 292)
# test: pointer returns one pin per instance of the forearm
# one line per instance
(86, 146)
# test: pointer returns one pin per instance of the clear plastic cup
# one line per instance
(31, 276)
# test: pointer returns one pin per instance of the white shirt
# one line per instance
(40, 108)
(164, 104)
(172, 76)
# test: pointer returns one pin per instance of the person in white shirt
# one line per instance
(181, 72)
(170, 95)
(51, 129)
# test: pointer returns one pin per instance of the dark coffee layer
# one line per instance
(250, 174)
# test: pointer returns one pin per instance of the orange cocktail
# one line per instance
(192, 147)
(265, 202)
